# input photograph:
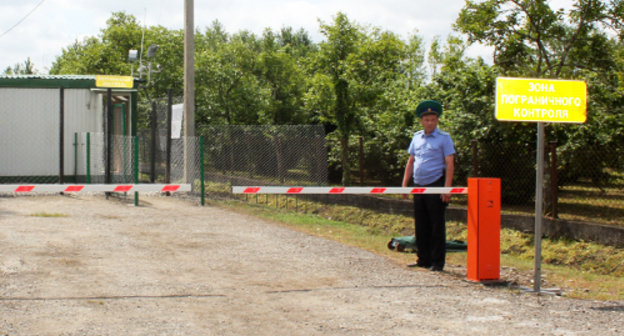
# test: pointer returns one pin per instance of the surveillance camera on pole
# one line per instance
(151, 67)
(151, 54)
(151, 50)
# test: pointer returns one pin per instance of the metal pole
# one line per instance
(109, 134)
(61, 135)
(135, 139)
(153, 145)
(168, 158)
(475, 162)
(361, 161)
(201, 170)
(88, 163)
(554, 179)
(75, 157)
(539, 197)
(189, 87)
(124, 140)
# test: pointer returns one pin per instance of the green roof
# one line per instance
(50, 81)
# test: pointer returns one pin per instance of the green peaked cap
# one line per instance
(428, 107)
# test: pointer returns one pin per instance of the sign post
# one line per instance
(539, 201)
(540, 101)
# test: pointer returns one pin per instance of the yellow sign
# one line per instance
(541, 100)
(114, 81)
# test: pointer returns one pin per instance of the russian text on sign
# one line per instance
(520, 99)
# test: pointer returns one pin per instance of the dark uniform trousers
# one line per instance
(430, 227)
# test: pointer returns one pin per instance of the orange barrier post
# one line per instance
(484, 208)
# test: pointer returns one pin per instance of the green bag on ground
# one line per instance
(409, 243)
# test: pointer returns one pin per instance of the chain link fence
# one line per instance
(265, 155)
(167, 159)
(133, 160)
(581, 184)
(232, 154)
(178, 164)
(92, 157)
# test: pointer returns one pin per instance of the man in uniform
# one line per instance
(431, 164)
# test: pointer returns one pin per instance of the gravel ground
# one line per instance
(170, 267)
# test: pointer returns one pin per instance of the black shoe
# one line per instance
(436, 268)
(417, 264)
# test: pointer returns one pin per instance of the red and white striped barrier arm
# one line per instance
(74, 188)
(349, 190)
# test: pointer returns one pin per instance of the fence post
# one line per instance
(168, 159)
(109, 136)
(554, 179)
(75, 157)
(361, 161)
(280, 159)
(201, 170)
(62, 135)
(153, 145)
(135, 140)
(88, 163)
(318, 168)
(475, 160)
(124, 138)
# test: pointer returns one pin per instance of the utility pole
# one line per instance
(189, 90)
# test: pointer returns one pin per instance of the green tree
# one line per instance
(26, 68)
(227, 89)
(333, 62)
(533, 40)
(394, 86)
(530, 38)
(168, 64)
(80, 58)
(506, 150)
(280, 73)
(352, 75)
(434, 57)
(106, 54)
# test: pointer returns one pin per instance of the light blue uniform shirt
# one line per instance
(429, 153)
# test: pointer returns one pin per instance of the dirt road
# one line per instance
(84, 265)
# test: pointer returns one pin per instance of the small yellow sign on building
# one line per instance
(541, 100)
(114, 81)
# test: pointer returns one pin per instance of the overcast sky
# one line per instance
(40, 29)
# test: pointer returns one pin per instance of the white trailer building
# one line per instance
(41, 115)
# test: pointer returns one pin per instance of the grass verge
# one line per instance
(578, 269)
